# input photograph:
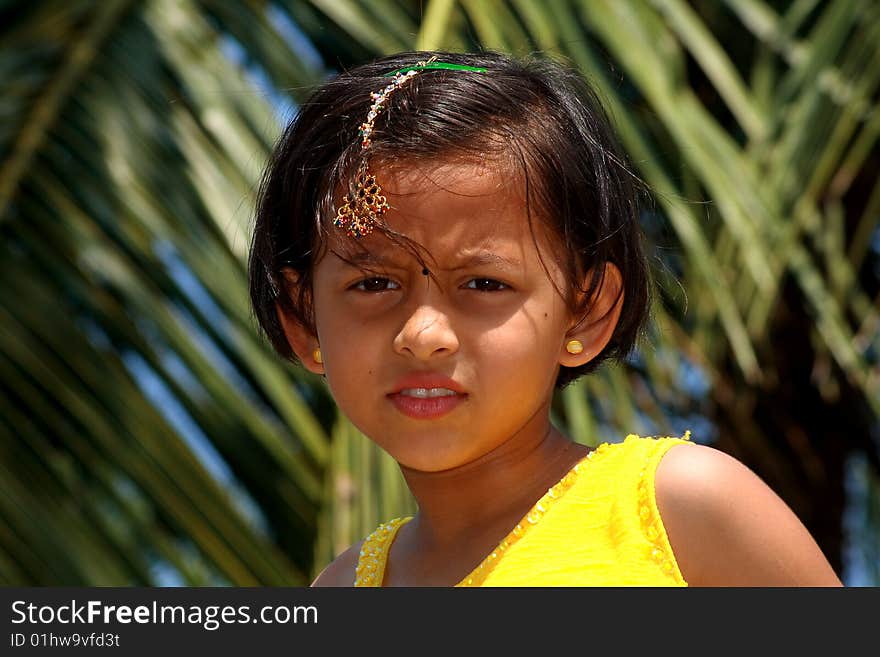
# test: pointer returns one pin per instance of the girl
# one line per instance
(448, 238)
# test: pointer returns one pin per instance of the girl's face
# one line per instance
(440, 370)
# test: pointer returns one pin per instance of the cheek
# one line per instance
(522, 354)
(526, 341)
(353, 352)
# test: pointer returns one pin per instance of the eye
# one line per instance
(485, 285)
(375, 284)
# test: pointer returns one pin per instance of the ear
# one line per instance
(301, 339)
(595, 330)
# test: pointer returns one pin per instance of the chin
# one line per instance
(432, 459)
(424, 448)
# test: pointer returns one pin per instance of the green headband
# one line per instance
(438, 66)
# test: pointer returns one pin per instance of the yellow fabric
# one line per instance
(601, 528)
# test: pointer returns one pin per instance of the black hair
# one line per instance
(541, 111)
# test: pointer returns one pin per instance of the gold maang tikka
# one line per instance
(358, 215)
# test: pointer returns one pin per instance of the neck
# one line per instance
(489, 495)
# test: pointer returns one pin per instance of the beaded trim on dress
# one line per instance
(370, 569)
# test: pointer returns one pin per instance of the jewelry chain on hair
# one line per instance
(359, 214)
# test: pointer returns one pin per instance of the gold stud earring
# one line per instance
(317, 356)
(574, 346)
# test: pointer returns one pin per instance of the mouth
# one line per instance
(427, 393)
(426, 397)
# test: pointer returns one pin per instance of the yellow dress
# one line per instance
(598, 526)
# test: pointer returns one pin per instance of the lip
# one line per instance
(426, 408)
(427, 380)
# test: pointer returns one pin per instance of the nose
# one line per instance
(426, 334)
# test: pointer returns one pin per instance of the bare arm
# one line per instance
(728, 528)
(341, 571)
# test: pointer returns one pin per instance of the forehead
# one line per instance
(451, 209)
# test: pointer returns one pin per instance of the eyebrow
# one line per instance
(366, 258)
(480, 258)
(488, 258)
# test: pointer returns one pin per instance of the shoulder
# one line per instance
(726, 527)
(340, 571)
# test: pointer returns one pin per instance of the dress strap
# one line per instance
(660, 550)
(370, 569)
